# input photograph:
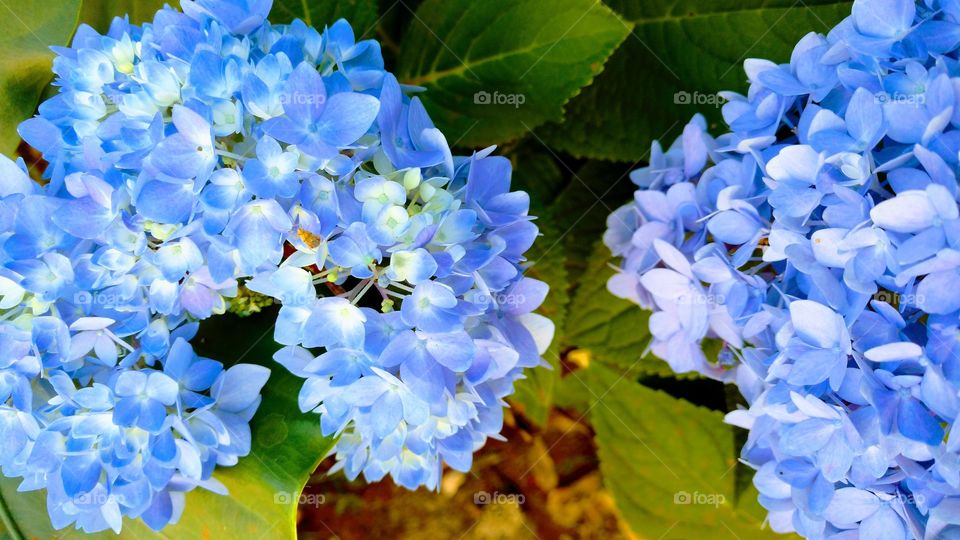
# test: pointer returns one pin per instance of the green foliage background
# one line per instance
(599, 82)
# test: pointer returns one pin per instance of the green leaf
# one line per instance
(264, 487)
(595, 190)
(362, 15)
(692, 46)
(669, 464)
(27, 30)
(100, 13)
(395, 19)
(537, 172)
(499, 68)
(573, 393)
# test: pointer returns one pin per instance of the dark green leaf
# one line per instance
(264, 487)
(692, 46)
(27, 30)
(594, 191)
(361, 14)
(499, 68)
(395, 19)
(669, 464)
(537, 172)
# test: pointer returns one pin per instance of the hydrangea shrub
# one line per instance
(818, 239)
(209, 154)
(208, 161)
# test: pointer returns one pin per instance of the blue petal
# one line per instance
(80, 473)
(165, 202)
(347, 117)
(908, 212)
(916, 422)
(884, 524)
(239, 387)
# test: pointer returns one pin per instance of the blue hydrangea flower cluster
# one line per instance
(104, 405)
(210, 151)
(820, 241)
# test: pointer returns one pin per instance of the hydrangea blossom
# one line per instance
(818, 239)
(105, 405)
(208, 153)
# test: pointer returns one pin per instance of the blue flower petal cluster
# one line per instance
(103, 403)
(210, 150)
(820, 241)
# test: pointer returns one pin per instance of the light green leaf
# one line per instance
(27, 30)
(499, 68)
(669, 464)
(100, 13)
(573, 393)
(692, 46)
(361, 14)
(264, 487)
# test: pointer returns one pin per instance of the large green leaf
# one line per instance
(264, 487)
(361, 14)
(669, 464)
(691, 46)
(499, 68)
(27, 30)
(581, 209)
(100, 13)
